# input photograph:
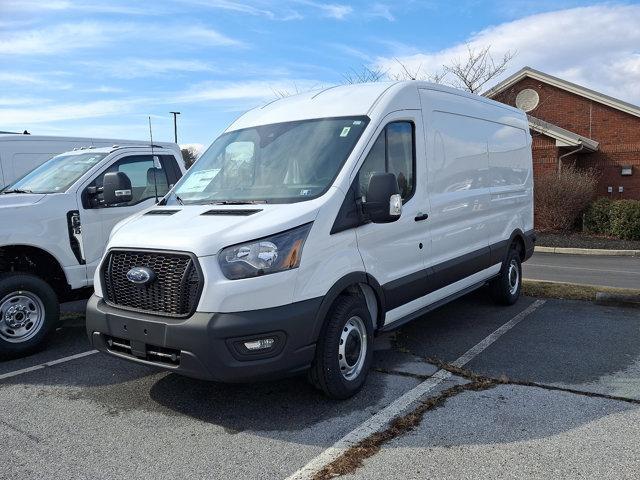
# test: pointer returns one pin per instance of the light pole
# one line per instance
(175, 126)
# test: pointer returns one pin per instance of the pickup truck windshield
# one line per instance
(280, 163)
(56, 174)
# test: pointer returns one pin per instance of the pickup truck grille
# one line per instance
(174, 291)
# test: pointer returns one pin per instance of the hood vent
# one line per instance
(161, 212)
(243, 212)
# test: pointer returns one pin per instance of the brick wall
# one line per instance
(617, 132)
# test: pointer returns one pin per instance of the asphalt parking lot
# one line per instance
(565, 404)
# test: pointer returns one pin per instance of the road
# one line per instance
(608, 271)
(99, 417)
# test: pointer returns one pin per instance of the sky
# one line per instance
(101, 68)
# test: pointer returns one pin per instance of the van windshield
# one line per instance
(56, 174)
(279, 163)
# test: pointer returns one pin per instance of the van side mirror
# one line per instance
(383, 201)
(116, 188)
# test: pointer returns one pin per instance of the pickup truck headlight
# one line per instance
(267, 255)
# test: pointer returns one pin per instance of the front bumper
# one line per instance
(209, 345)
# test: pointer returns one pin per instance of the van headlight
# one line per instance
(267, 255)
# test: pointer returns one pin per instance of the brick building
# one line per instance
(573, 124)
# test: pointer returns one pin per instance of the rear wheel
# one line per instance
(29, 313)
(505, 289)
(345, 349)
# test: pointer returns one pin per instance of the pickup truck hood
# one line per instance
(13, 200)
(206, 229)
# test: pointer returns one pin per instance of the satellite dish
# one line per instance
(527, 99)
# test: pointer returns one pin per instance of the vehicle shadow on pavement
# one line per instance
(283, 405)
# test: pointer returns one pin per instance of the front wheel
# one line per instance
(29, 313)
(505, 289)
(345, 349)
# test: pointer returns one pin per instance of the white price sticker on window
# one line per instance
(198, 181)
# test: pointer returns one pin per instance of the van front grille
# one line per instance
(174, 291)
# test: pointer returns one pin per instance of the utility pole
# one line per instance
(175, 126)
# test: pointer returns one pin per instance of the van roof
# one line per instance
(79, 151)
(344, 101)
(87, 140)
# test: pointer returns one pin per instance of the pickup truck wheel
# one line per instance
(29, 314)
(344, 350)
(505, 289)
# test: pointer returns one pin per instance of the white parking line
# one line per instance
(46, 364)
(382, 418)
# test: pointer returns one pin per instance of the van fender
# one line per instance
(349, 283)
(500, 250)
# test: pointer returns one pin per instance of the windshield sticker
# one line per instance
(357, 122)
(198, 181)
(305, 192)
(345, 131)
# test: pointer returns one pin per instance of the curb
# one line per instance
(588, 251)
(600, 295)
(615, 300)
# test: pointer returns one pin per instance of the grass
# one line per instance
(569, 291)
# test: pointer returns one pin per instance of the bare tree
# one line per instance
(364, 75)
(470, 74)
(416, 74)
(477, 68)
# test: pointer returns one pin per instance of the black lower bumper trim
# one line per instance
(205, 345)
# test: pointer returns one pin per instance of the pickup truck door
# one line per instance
(151, 177)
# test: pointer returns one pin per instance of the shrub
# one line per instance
(561, 199)
(597, 218)
(625, 219)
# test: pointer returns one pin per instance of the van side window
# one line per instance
(392, 152)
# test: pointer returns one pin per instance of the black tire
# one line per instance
(326, 371)
(43, 298)
(505, 288)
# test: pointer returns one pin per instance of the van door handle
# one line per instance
(421, 216)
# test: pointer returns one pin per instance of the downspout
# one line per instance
(561, 157)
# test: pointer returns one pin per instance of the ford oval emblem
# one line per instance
(141, 275)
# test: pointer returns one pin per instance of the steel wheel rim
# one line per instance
(352, 348)
(21, 316)
(514, 277)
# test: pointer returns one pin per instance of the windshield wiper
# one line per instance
(238, 202)
(16, 190)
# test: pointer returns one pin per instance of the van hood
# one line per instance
(205, 229)
(12, 200)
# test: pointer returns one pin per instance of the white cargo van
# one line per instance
(55, 224)
(20, 154)
(315, 222)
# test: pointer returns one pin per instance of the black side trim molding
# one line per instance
(421, 283)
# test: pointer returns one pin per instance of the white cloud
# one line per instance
(381, 10)
(253, 91)
(339, 12)
(128, 68)
(281, 10)
(21, 101)
(67, 111)
(86, 6)
(594, 46)
(67, 37)
(31, 80)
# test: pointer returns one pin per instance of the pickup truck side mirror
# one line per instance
(116, 188)
(383, 203)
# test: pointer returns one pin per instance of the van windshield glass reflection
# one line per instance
(284, 162)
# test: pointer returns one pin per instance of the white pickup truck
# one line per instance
(55, 223)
